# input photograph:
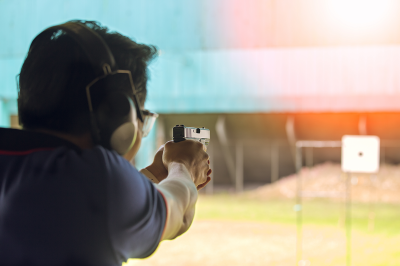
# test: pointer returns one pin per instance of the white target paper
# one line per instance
(360, 154)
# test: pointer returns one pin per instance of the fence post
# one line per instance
(274, 162)
(239, 167)
(299, 206)
(309, 157)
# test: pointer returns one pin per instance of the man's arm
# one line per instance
(180, 195)
(188, 171)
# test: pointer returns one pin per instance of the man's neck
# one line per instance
(83, 141)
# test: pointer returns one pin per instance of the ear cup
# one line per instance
(117, 123)
(123, 138)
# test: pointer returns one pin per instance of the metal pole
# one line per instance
(274, 162)
(309, 157)
(371, 216)
(298, 206)
(239, 167)
(220, 129)
(348, 219)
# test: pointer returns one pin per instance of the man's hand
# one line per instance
(157, 168)
(191, 154)
(208, 178)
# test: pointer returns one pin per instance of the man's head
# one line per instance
(54, 76)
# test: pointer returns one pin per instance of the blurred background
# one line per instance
(261, 75)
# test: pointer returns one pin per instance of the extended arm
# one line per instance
(180, 195)
(182, 168)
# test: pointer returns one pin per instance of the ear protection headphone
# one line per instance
(114, 116)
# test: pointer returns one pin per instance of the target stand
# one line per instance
(360, 154)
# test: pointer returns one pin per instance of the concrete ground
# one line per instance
(229, 243)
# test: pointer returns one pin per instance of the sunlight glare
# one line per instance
(360, 14)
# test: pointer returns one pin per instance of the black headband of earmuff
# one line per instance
(90, 41)
(95, 48)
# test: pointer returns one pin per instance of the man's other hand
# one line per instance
(191, 154)
(157, 168)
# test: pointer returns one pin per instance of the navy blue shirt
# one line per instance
(60, 205)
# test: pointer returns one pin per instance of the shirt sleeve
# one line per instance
(136, 210)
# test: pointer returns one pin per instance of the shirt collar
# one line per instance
(16, 140)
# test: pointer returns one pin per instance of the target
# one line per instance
(360, 154)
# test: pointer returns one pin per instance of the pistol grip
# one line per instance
(178, 139)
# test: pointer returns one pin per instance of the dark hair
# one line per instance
(56, 71)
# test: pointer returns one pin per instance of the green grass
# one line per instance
(241, 208)
(316, 212)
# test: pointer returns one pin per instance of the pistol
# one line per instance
(201, 134)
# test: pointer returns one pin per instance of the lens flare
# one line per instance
(360, 14)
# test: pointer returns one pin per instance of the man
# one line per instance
(66, 196)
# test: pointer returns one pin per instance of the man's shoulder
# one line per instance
(16, 140)
(48, 153)
(110, 161)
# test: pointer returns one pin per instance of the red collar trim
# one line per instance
(24, 152)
